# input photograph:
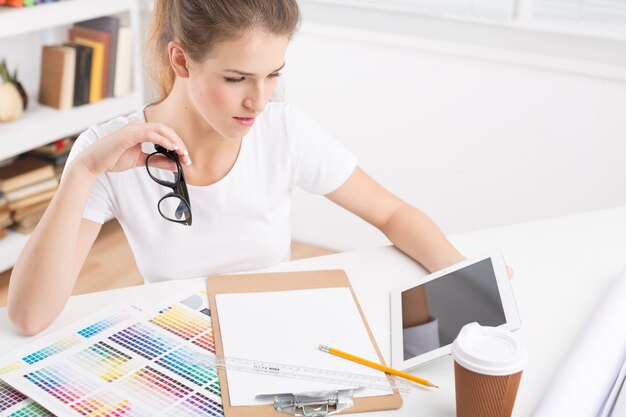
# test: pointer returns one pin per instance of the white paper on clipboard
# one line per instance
(287, 327)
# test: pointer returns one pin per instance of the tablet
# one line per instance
(428, 312)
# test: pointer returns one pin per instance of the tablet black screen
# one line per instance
(434, 313)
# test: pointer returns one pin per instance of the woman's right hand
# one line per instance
(121, 150)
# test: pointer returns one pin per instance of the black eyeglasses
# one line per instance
(174, 206)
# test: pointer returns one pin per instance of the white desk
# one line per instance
(562, 267)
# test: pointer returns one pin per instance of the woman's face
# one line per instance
(233, 85)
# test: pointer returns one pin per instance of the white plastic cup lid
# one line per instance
(489, 350)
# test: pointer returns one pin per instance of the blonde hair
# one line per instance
(199, 24)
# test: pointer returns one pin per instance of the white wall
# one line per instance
(474, 142)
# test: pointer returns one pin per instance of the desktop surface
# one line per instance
(563, 266)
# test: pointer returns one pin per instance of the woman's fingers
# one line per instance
(167, 132)
(156, 138)
(175, 143)
(182, 151)
(510, 272)
(141, 159)
(121, 150)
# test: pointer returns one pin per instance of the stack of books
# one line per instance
(5, 215)
(28, 185)
(95, 63)
(56, 153)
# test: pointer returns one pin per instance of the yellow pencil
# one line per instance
(375, 365)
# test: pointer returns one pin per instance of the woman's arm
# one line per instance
(47, 268)
(45, 272)
(409, 229)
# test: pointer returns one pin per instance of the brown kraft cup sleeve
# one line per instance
(480, 395)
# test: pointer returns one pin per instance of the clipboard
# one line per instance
(286, 281)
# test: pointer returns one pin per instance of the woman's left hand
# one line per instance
(509, 271)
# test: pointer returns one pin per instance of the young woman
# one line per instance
(217, 63)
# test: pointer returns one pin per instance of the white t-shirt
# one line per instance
(240, 222)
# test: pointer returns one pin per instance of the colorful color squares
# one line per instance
(52, 349)
(182, 322)
(190, 364)
(10, 367)
(214, 388)
(9, 396)
(143, 340)
(154, 388)
(109, 403)
(205, 341)
(103, 360)
(32, 410)
(94, 329)
(198, 405)
(62, 382)
(122, 366)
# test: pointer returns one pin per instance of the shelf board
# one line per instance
(19, 20)
(10, 247)
(42, 124)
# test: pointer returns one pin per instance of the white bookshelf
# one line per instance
(41, 124)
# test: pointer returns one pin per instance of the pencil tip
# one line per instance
(433, 385)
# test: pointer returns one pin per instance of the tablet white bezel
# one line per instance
(512, 320)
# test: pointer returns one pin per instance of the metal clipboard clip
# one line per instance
(312, 404)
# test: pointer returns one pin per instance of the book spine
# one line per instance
(56, 160)
(123, 70)
(78, 76)
(110, 25)
(88, 73)
(56, 87)
(69, 75)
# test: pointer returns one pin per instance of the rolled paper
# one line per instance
(587, 382)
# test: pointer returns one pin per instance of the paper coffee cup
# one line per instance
(488, 364)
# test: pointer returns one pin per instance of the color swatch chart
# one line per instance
(13, 402)
(155, 364)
